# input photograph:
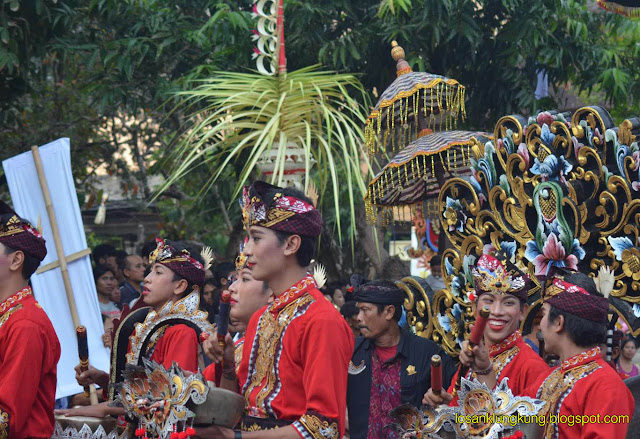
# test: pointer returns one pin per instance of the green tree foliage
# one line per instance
(104, 72)
(494, 48)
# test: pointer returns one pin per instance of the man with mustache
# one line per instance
(503, 288)
(293, 372)
(574, 318)
(29, 347)
(389, 366)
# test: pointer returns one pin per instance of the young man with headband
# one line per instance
(585, 397)
(293, 373)
(176, 274)
(503, 288)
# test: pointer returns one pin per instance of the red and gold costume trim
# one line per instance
(267, 346)
(29, 353)
(514, 359)
(505, 344)
(4, 424)
(315, 426)
(237, 353)
(13, 300)
(561, 382)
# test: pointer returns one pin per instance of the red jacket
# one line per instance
(29, 354)
(295, 362)
(513, 358)
(585, 385)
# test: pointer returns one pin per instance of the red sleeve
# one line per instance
(452, 386)
(610, 397)
(21, 370)
(209, 372)
(327, 348)
(179, 344)
(527, 372)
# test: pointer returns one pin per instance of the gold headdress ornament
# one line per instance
(180, 261)
(267, 206)
(19, 234)
(241, 259)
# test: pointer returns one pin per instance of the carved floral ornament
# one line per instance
(474, 417)
(555, 190)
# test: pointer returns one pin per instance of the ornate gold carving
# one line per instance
(4, 424)
(4, 317)
(186, 308)
(563, 190)
(158, 398)
(319, 428)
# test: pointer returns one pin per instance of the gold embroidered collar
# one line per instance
(13, 300)
(505, 344)
(580, 359)
(292, 293)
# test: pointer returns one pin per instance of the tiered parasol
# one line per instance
(414, 104)
(417, 172)
(412, 118)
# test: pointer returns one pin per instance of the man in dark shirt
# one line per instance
(133, 270)
(389, 366)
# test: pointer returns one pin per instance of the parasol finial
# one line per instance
(397, 53)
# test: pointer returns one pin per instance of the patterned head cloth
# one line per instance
(19, 234)
(576, 300)
(279, 212)
(499, 276)
(179, 261)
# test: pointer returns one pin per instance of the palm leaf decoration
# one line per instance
(252, 112)
(239, 117)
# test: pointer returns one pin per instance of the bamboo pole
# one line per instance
(59, 248)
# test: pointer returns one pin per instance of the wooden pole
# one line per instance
(59, 248)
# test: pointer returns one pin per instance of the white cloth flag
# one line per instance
(48, 287)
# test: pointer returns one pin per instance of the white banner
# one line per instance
(48, 287)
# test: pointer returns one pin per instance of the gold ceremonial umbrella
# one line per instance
(414, 104)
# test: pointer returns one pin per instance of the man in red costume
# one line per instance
(29, 347)
(293, 373)
(503, 288)
(584, 386)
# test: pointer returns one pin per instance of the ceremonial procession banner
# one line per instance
(48, 286)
